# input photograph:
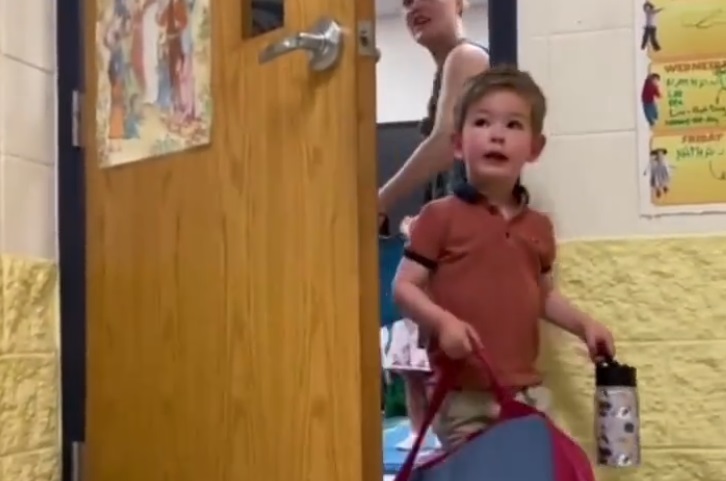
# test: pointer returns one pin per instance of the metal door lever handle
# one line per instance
(323, 44)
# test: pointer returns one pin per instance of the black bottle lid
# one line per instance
(610, 373)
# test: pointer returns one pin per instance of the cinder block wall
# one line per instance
(659, 283)
(29, 330)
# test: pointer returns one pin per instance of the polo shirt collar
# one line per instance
(469, 194)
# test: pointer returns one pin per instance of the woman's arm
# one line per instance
(436, 153)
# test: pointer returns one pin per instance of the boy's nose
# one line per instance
(496, 135)
(413, 5)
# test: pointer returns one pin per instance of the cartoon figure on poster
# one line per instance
(650, 27)
(659, 172)
(650, 94)
(681, 78)
(154, 78)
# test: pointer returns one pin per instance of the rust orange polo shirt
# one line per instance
(487, 271)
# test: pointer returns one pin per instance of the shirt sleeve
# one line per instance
(549, 251)
(426, 242)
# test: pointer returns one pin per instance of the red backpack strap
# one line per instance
(571, 462)
(446, 382)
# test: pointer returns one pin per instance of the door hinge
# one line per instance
(78, 449)
(77, 125)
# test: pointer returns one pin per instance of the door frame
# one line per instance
(71, 209)
(71, 217)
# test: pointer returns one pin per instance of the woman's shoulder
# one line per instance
(466, 60)
(467, 53)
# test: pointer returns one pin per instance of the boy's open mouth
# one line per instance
(495, 156)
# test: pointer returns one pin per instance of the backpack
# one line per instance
(523, 444)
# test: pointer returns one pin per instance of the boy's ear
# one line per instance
(538, 144)
(456, 140)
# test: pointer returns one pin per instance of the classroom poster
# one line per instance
(153, 60)
(681, 105)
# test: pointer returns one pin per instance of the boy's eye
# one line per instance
(515, 124)
(480, 122)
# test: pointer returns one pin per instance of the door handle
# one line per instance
(323, 44)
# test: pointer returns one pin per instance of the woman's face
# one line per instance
(431, 21)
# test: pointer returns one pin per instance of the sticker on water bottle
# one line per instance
(617, 426)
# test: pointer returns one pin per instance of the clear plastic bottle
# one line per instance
(617, 416)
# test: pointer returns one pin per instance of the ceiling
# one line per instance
(393, 7)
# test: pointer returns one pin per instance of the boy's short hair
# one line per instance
(500, 78)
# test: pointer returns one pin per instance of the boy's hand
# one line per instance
(599, 340)
(457, 339)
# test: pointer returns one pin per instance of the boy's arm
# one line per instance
(558, 310)
(421, 256)
(409, 293)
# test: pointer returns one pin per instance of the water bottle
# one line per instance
(617, 420)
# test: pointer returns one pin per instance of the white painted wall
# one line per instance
(582, 53)
(30, 428)
(27, 128)
(406, 71)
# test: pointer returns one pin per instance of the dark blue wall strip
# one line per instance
(503, 32)
(72, 231)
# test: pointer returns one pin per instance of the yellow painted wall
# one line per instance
(665, 300)
(29, 370)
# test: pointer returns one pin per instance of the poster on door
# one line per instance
(153, 60)
(681, 105)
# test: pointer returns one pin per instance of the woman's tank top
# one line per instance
(444, 183)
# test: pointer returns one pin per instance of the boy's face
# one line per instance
(497, 139)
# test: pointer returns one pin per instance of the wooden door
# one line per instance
(232, 290)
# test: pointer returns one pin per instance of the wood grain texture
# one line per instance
(232, 290)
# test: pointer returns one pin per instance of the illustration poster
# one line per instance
(153, 62)
(681, 99)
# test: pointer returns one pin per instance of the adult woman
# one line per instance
(435, 25)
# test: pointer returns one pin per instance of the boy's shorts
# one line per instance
(464, 413)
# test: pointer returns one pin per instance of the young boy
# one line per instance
(478, 265)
